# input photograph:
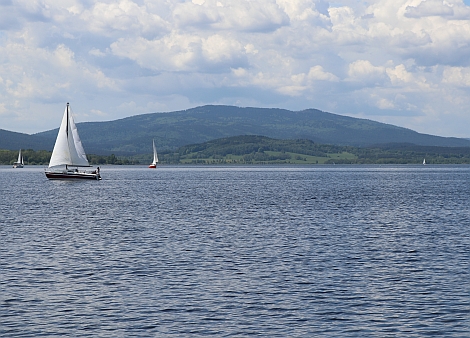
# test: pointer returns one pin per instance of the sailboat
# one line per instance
(68, 152)
(153, 165)
(19, 163)
(424, 162)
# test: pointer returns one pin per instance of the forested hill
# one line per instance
(14, 141)
(260, 149)
(133, 135)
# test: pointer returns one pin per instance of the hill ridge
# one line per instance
(134, 134)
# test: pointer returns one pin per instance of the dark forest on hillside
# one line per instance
(263, 150)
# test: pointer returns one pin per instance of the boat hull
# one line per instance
(72, 176)
(17, 165)
(152, 166)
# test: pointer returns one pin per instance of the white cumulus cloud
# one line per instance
(389, 60)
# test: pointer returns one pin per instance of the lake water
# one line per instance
(275, 251)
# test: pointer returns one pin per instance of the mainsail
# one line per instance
(155, 157)
(68, 149)
(19, 163)
(20, 158)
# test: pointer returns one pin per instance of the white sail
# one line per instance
(68, 149)
(424, 161)
(19, 163)
(155, 157)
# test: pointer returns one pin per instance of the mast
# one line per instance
(67, 130)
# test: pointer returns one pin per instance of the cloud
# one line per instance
(241, 15)
(457, 76)
(318, 73)
(391, 60)
(96, 52)
(39, 74)
(3, 110)
(429, 8)
(122, 16)
(383, 103)
(363, 71)
(454, 9)
(399, 75)
(183, 52)
(304, 10)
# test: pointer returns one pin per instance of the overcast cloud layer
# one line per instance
(403, 62)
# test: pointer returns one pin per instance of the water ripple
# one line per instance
(237, 251)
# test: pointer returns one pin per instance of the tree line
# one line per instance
(42, 157)
(255, 149)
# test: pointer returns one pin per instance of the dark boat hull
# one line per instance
(72, 176)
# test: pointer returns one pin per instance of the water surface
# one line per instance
(286, 251)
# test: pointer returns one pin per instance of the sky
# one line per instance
(402, 62)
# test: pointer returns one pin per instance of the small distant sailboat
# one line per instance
(68, 152)
(155, 157)
(19, 163)
(424, 162)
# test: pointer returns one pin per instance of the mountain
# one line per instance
(14, 141)
(133, 135)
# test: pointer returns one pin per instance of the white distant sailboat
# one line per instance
(153, 165)
(68, 152)
(19, 163)
(424, 162)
